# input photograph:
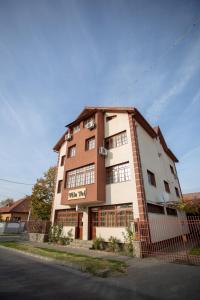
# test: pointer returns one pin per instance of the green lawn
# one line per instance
(96, 266)
(195, 251)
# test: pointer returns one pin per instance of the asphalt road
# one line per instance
(23, 277)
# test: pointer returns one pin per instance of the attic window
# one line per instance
(109, 118)
(76, 128)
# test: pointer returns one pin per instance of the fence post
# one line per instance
(137, 242)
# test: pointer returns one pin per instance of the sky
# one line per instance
(58, 56)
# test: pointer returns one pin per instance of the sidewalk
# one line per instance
(83, 251)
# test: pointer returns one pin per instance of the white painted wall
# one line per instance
(66, 229)
(60, 176)
(160, 166)
(163, 227)
(85, 225)
(124, 192)
(107, 232)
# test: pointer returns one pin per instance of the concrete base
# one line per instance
(137, 249)
(38, 237)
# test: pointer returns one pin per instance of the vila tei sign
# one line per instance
(77, 194)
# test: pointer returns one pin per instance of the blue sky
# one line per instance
(58, 56)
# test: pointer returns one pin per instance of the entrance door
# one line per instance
(79, 228)
(93, 219)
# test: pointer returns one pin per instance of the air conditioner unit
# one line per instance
(68, 136)
(91, 124)
(103, 151)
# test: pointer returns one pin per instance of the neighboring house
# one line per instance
(114, 168)
(193, 197)
(192, 202)
(17, 211)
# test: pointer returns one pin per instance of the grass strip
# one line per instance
(94, 265)
(195, 251)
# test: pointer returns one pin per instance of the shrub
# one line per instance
(55, 233)
(113, 244)
(129, 237)
(98, 243)
(69, 236)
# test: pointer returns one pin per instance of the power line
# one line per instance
(15, 182)
(9, 189)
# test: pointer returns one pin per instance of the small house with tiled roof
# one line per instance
(17, 211)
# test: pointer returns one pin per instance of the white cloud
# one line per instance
(12, 112)
(183, 75)
(196, 98)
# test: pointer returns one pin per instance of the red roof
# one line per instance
(194, 197)
(21, 205)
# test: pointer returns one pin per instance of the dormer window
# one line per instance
(76, 128)
(90, 121)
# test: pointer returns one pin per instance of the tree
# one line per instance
(42, 195)
(6, 201)
(191, 207)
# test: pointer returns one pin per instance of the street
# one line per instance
(23, 277)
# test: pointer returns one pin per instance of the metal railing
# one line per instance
(173, 239)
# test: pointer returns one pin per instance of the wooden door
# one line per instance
(79, 228)
(93, 221)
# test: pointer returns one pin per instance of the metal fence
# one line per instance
(171, 239)
(37, 226)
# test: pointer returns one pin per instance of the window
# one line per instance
(156, 209)
(177, 192)
(62, 161)
(88, 121)
(151, 178)
(90, 143)
(76, 128)
(109, 118)
(59, 186)
(118, 173)
(66, 217)
(167, 189)
(81, 176)
(171, 211)
(116, 140)
(172, 170)
(112, 216)
(71, 151)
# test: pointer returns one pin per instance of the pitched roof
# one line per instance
(90, 110)
(21, 205)
(195, 197)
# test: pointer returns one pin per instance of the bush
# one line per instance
(129, 237)
(113, 244)
(98, 243)
(69, 236)
(56, 235)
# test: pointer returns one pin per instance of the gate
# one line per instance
(172, 239)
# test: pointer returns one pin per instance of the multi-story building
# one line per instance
(114, 168)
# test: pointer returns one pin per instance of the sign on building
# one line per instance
(77, 194)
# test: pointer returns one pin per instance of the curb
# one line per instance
(47, 259)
